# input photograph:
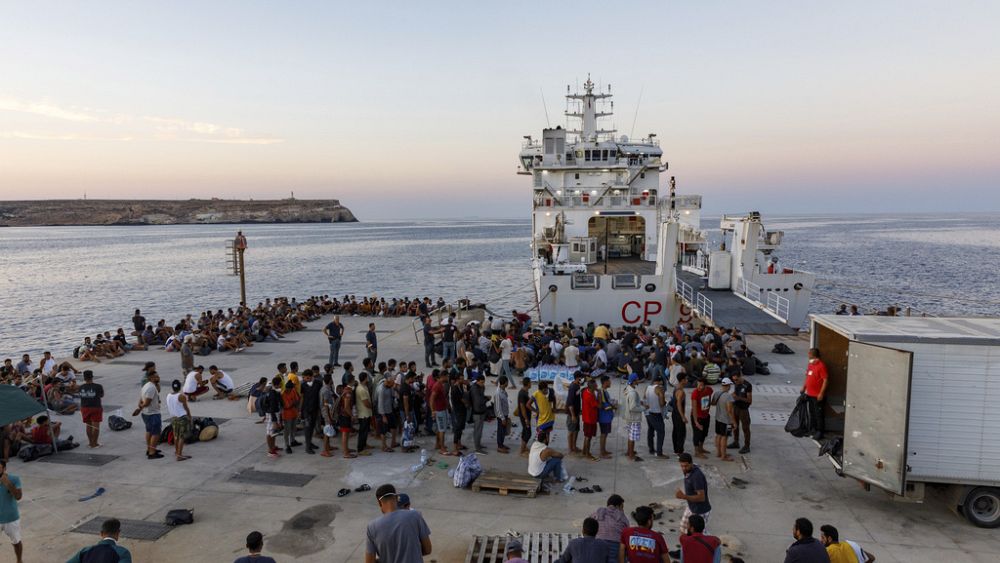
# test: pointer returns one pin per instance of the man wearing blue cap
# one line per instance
(633, 414)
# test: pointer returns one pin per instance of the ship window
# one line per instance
(577, 175)
(586, 155)
(570, 156)
(604, 155)
(642, 174)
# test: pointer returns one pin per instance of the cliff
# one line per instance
(171, 212)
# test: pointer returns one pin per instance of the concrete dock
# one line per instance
(302, 518)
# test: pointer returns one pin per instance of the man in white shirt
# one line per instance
(194, 384)
(48, 363)
(221, 382)
(572, 355)
(506, 347)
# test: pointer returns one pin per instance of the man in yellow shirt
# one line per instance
(541, 403)
(293, 376)
(602, 334)
(842, 551)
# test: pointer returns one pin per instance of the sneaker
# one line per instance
(273, 455)
(296, 443)
(288, 450)
(745, 450)
(732, 445)
(157, 455)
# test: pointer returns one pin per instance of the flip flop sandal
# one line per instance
(585, 490)
(343, 492)
(363, 488)
(581, 479)
(597, 488)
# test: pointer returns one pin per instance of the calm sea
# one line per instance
(58, 284)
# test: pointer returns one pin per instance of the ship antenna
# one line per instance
(542, 92)
(673, 195)
(636, 116)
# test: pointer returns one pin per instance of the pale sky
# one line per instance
(416, 109)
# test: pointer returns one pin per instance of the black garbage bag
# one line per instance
(799, 422)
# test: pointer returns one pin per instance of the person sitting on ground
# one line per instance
(57, 400)
(611, 520)
(194, 384)
(842, 551)
(543, 461)
(86, 351)
(255, 544)
(65, 379)
(12, 436)
(107, 549)
(222, 383)
(40, 433)
(696, 547)
(585, 549)
(642, 543)
(514, 551)
(806, 548)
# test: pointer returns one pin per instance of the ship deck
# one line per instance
(631, 265)
(730, 310)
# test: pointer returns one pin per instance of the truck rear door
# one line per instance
(877, 414)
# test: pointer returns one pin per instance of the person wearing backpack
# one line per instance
(107, 550)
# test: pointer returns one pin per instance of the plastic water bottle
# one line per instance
(423, 457)
(568, 487)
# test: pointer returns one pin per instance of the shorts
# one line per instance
(386, 425)
(270, 427)
(605, 428)
(589, 429)
(153, 423)
(344, 422)
(181, 426)
(572, 425)
(688, 514)
(441, 421)
(721, 428)
(545, 428)
(92, 415)
(634, 431)
(12, 530)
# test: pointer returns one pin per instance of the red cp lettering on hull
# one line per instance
(634, 311)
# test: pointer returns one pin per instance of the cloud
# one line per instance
(144, 127)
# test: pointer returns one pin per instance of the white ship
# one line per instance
(608, 247)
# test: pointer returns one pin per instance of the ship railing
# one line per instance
(750, 290)
(770, 301)
(778, 305)
(695, 300)
(695, 262)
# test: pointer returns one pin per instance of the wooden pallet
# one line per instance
(506, 484)
(539, 547)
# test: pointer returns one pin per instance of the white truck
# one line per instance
(917, 403)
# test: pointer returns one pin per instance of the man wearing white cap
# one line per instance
(723, 401)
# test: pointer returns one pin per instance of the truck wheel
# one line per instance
(982, 507)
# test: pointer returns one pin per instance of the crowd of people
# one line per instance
(689, 375)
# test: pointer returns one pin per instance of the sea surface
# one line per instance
(59, 284)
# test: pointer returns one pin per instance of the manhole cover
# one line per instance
(132, 529)
(272, 478)
(70, 458)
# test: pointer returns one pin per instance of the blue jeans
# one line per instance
(334, 352)
(429, 359)
(553, 468)
(448, 351)
(501, 432)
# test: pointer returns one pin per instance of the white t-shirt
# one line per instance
(174, 405)
(225, 380)
(149, 391)
(505, 349)
(191, 383)
(571, 353)
(49, 366)
(556, 348)
(601, 357)
(535, 463)
(221, 342)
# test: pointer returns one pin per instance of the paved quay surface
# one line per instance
(309, 523)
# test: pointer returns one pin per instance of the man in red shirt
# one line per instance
(701, 409)
(696, 547)
(588, 412)
(814, 388)
(640, 544)
(40, 433)
(439, 410)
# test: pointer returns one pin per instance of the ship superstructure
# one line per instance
(608, 246)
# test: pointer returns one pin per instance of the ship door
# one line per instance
(619, 236)
(877, 414)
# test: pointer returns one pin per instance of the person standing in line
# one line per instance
(695, 492)
(90, 407)
(459, 396)
(363, 403)
(388, 424)
(633, 415)
(723, 401)
(328, 410)
(10, 516)
(430, 359)
(271, 406)
(290, 402)
(501, 409)
(806, 548)
(371, 343)
(149, 409)
(544, 409)
(334, 332)
(678, 414)
(814, 389)
(573, 411)
(177, 406)
(345, 415)
(524, 414)
(701, 417)
(656, 399)
(606, 415)
(311, 391)
(479, 401)
(742, 399)
(107, 549)
(255, 544)
(398, 536)
(448, 333)
(842, 551)
(506, 352)
(438, 403)
(590, 406)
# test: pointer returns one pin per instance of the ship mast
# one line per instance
(587, 112)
